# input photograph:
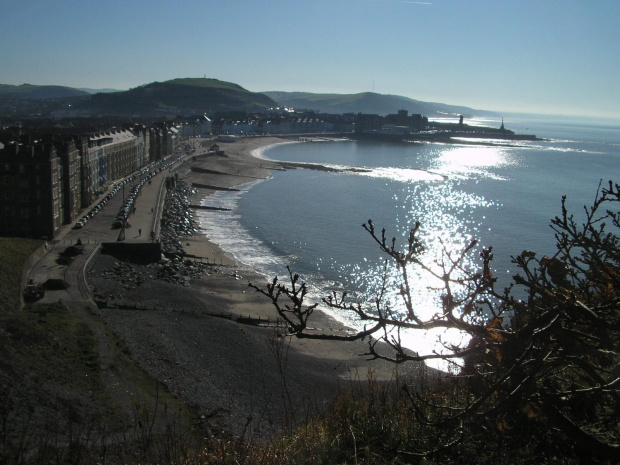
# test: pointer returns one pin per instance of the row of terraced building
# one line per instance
(47, 180)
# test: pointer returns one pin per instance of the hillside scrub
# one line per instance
(59, 402)
(13, 253)
(539, 377)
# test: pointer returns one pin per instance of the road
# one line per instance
(143, 221)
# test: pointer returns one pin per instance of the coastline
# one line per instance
(239, 156)
(221, 365)
(240, 167)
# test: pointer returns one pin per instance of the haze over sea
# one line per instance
(503, 196)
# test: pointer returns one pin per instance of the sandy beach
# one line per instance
(248, 168)
(221, 366)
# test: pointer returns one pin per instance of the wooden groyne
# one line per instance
(216, 188)
(244, 320)
(197, 169)
(204, 207)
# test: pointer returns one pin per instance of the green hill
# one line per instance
(96, 91)
(201, 95)
(29, 91)
(212, 95)
(369, 102)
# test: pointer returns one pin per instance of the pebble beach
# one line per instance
(191, 334)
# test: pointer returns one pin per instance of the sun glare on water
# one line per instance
(402, 174)
(473, 161)
(448, 225)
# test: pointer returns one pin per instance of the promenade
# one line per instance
(68, 252)
(212, 173)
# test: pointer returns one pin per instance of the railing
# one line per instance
(157, 211)
(83, 285)
(78, 241)
(241, 319)
(28, 265)
(263, 322)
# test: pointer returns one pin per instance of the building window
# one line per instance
(24, 197)
(9, 195)
(22, 169)
(23, 183)
(25, 213)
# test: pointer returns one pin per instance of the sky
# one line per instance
(529, 56)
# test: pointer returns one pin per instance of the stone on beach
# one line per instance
(214, 363)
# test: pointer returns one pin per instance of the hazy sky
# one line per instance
(540, 56)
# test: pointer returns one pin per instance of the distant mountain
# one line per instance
(204, 95)
(211, 96)
(28, 91)
(97, 91)
(369, 102)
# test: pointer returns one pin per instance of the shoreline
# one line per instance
(241, 156)
(219, 364)
(237, 167)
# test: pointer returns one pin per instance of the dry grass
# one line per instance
(13, 252)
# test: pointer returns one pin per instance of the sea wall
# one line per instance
(140, 252)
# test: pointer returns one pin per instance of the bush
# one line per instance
(539, 378)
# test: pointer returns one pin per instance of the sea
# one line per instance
(502, 195)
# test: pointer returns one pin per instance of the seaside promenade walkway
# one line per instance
(74, 246)
(67, 255)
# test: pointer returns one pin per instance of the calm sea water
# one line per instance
(501, 196)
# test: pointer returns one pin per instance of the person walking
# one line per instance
(139, 232)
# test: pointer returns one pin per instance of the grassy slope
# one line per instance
(13, 252)
(50, 369)
(194, 93)
(207, 83)
(39, 92)
(366, 102)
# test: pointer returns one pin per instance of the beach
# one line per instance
(190, 337)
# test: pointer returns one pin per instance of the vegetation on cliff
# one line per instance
(70, 392)
(538, 381)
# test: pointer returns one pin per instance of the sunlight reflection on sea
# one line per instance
(503, 196)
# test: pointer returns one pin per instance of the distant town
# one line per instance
(54, 167)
